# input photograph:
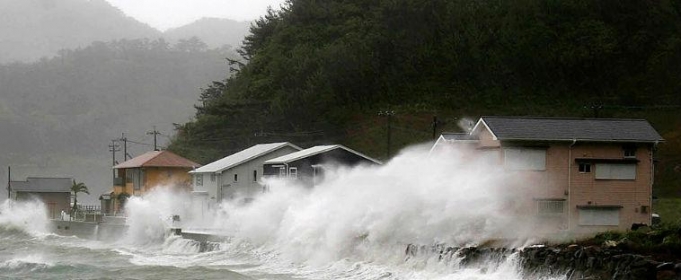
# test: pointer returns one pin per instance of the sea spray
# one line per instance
(358, 221)
(150, 217)
(416, 198)
(28, 216)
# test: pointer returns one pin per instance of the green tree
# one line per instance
(75, 189)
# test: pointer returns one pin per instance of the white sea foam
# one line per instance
(150, 217)
(27, 262)
(28, 216)
(357, 222)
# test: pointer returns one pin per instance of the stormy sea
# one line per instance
(354, 225)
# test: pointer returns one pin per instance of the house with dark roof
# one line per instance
(149, 170)
(580, 175)
(237, 175)
(54, 192)
(307, 166)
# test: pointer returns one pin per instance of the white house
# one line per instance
(237, 175)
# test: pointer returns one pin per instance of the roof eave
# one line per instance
(482, 121)
(222, 169)
(584, 140)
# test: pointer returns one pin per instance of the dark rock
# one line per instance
(666, 275)
(677, 268)
(590, 262)
(665, 266)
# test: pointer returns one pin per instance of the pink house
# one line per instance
(575, 175)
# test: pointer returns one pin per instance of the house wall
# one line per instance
(222, 185)
(632, 195)
(305, 172)
(55, 202)
(487, 139)
(150, 178)
(208, 185)
(246, 187)
(177, 178)
(562, 180)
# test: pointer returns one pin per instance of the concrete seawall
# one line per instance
(103, 230)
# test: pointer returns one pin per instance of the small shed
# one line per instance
(308, 165)
(54, 192)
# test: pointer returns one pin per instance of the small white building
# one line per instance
(237, 175)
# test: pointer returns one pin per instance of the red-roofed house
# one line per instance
(149, 170)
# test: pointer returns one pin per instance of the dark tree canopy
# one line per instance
(319, 70)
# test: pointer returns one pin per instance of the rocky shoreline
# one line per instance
(573, 261)
(596, 262)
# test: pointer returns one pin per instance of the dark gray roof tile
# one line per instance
(40, 184)
(528, 128)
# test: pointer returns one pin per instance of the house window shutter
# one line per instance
(525, 159)
(599, 217)
(616, 171)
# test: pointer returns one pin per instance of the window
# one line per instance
(255, 175)
(616, 171)
(525, 159)
(199, 179)
(599, 217)
(585, 167)
(282, 171)
(213, 176)
(630, 152)
(137, 179)
(236, 177)
(550, 207)
(293, 172)
(644, 209)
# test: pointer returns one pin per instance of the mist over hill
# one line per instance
(76, 74)
(34, 29)
(215, 32)
(59, 115)
(31, 29)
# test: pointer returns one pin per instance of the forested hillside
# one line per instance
(58, 116)
(321, 71)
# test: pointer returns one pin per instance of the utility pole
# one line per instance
(435, 123)
(125, 146)
(388, 113)
(113, 148)
(9, 184)
(155, 133)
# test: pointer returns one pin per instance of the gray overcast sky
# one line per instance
(164, 14)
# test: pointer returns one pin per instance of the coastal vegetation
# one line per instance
(75, 189)
(373, 74)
